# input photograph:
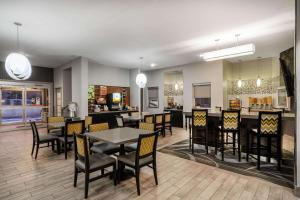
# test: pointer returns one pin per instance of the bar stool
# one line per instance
(199, 125)
(230, 123)
(269, 127)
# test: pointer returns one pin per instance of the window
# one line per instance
(202, 95)
(153, 97)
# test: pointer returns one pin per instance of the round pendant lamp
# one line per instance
(17, 65)
(141, 78)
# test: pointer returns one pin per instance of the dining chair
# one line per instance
(143, 126)
(135, 114)
(149, 119)
(199, 128)
(102, 147)
(124, 114)
(71, 128)
(37, 140)
(158, 121)
(230, 123)
(90, 163)
(54, 130)
(269, 127)
(144, 156)
(167, 122)
(120, 121)
(88, 120)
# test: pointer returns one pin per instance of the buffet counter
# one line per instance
(108, 116)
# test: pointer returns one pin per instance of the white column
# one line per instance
(297, 89)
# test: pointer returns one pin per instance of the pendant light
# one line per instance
(176, 84)
(258, 81)
(141, 79)
(17, 65)
(240, 82)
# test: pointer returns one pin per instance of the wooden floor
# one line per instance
(51, 177)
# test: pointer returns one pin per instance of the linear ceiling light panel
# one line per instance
(242, 50)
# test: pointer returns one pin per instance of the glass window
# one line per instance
(153, 97)
(202, 95)
(11, 97)
(12, 115)
(34, 98)
(34, 114)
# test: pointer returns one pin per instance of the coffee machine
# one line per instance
(114, 101)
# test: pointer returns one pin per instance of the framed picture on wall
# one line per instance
(153, 97)
(283, 101)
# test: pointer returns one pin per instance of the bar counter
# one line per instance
(108, 116)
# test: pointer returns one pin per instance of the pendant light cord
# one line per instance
(18, 37)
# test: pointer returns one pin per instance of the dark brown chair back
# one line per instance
(147, 144)
(74, 127)
(199, 118)
(81, 148)
(35, 133)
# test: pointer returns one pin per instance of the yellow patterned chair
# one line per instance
(51, 129)
(230, 123)
(159, 122)
(90, 163)
(143, 126)
(167, 125)
(149, 119)
(145, 155)
(269, 128)
(71, 128)
(103, 147)
(199, 134)
(88, 120)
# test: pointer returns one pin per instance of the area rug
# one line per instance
(268, 171)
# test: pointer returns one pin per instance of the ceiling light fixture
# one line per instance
(258, 81)
(17, 65)
(141, 79)
(153, 65)
(231, 52)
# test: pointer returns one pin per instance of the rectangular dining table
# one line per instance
(119, 136)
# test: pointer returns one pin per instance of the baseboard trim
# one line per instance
(297, 191)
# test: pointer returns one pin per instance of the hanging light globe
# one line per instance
(18, 66)
(176, 86)
(141, 80)
(239, 83)
(258, 82)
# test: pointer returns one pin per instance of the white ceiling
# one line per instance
(118, 32)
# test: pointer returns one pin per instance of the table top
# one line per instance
(131, 118)
(57, 124)
(118, 135)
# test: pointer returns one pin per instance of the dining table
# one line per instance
(119, 136)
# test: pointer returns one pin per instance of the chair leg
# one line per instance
(155, 172)
(258, 152)
(75, 176)
(137, 178)
(279, 153)
(119, 171)
(102, 171)
(269, 145)
(86, 184)
(37, 150)
(239, 146)
(52, 144)
(192, 146)
(206, 143)
(247, 146)
(58, 146)
(217, 142)
(33, 145)
(115, 174)
(233, 141)
(171, 130)
(190, 139)
(222, 147)
(66, 150)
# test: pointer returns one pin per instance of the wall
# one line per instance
(67, 84)
(106, 75)
(38, 74)
(269, 71)
(192, 73)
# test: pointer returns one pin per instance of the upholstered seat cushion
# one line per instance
(131, 147)
(46, 138)
(96, 160)
(168, 124)
(105, 147)
(129, 159)
(62, 139)
(57, 132)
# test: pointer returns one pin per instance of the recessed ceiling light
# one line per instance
(153, 65)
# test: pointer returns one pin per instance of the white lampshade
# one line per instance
(239, 83)
(258, 82)
(18, 66)
(141, 80)
(176, 86)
